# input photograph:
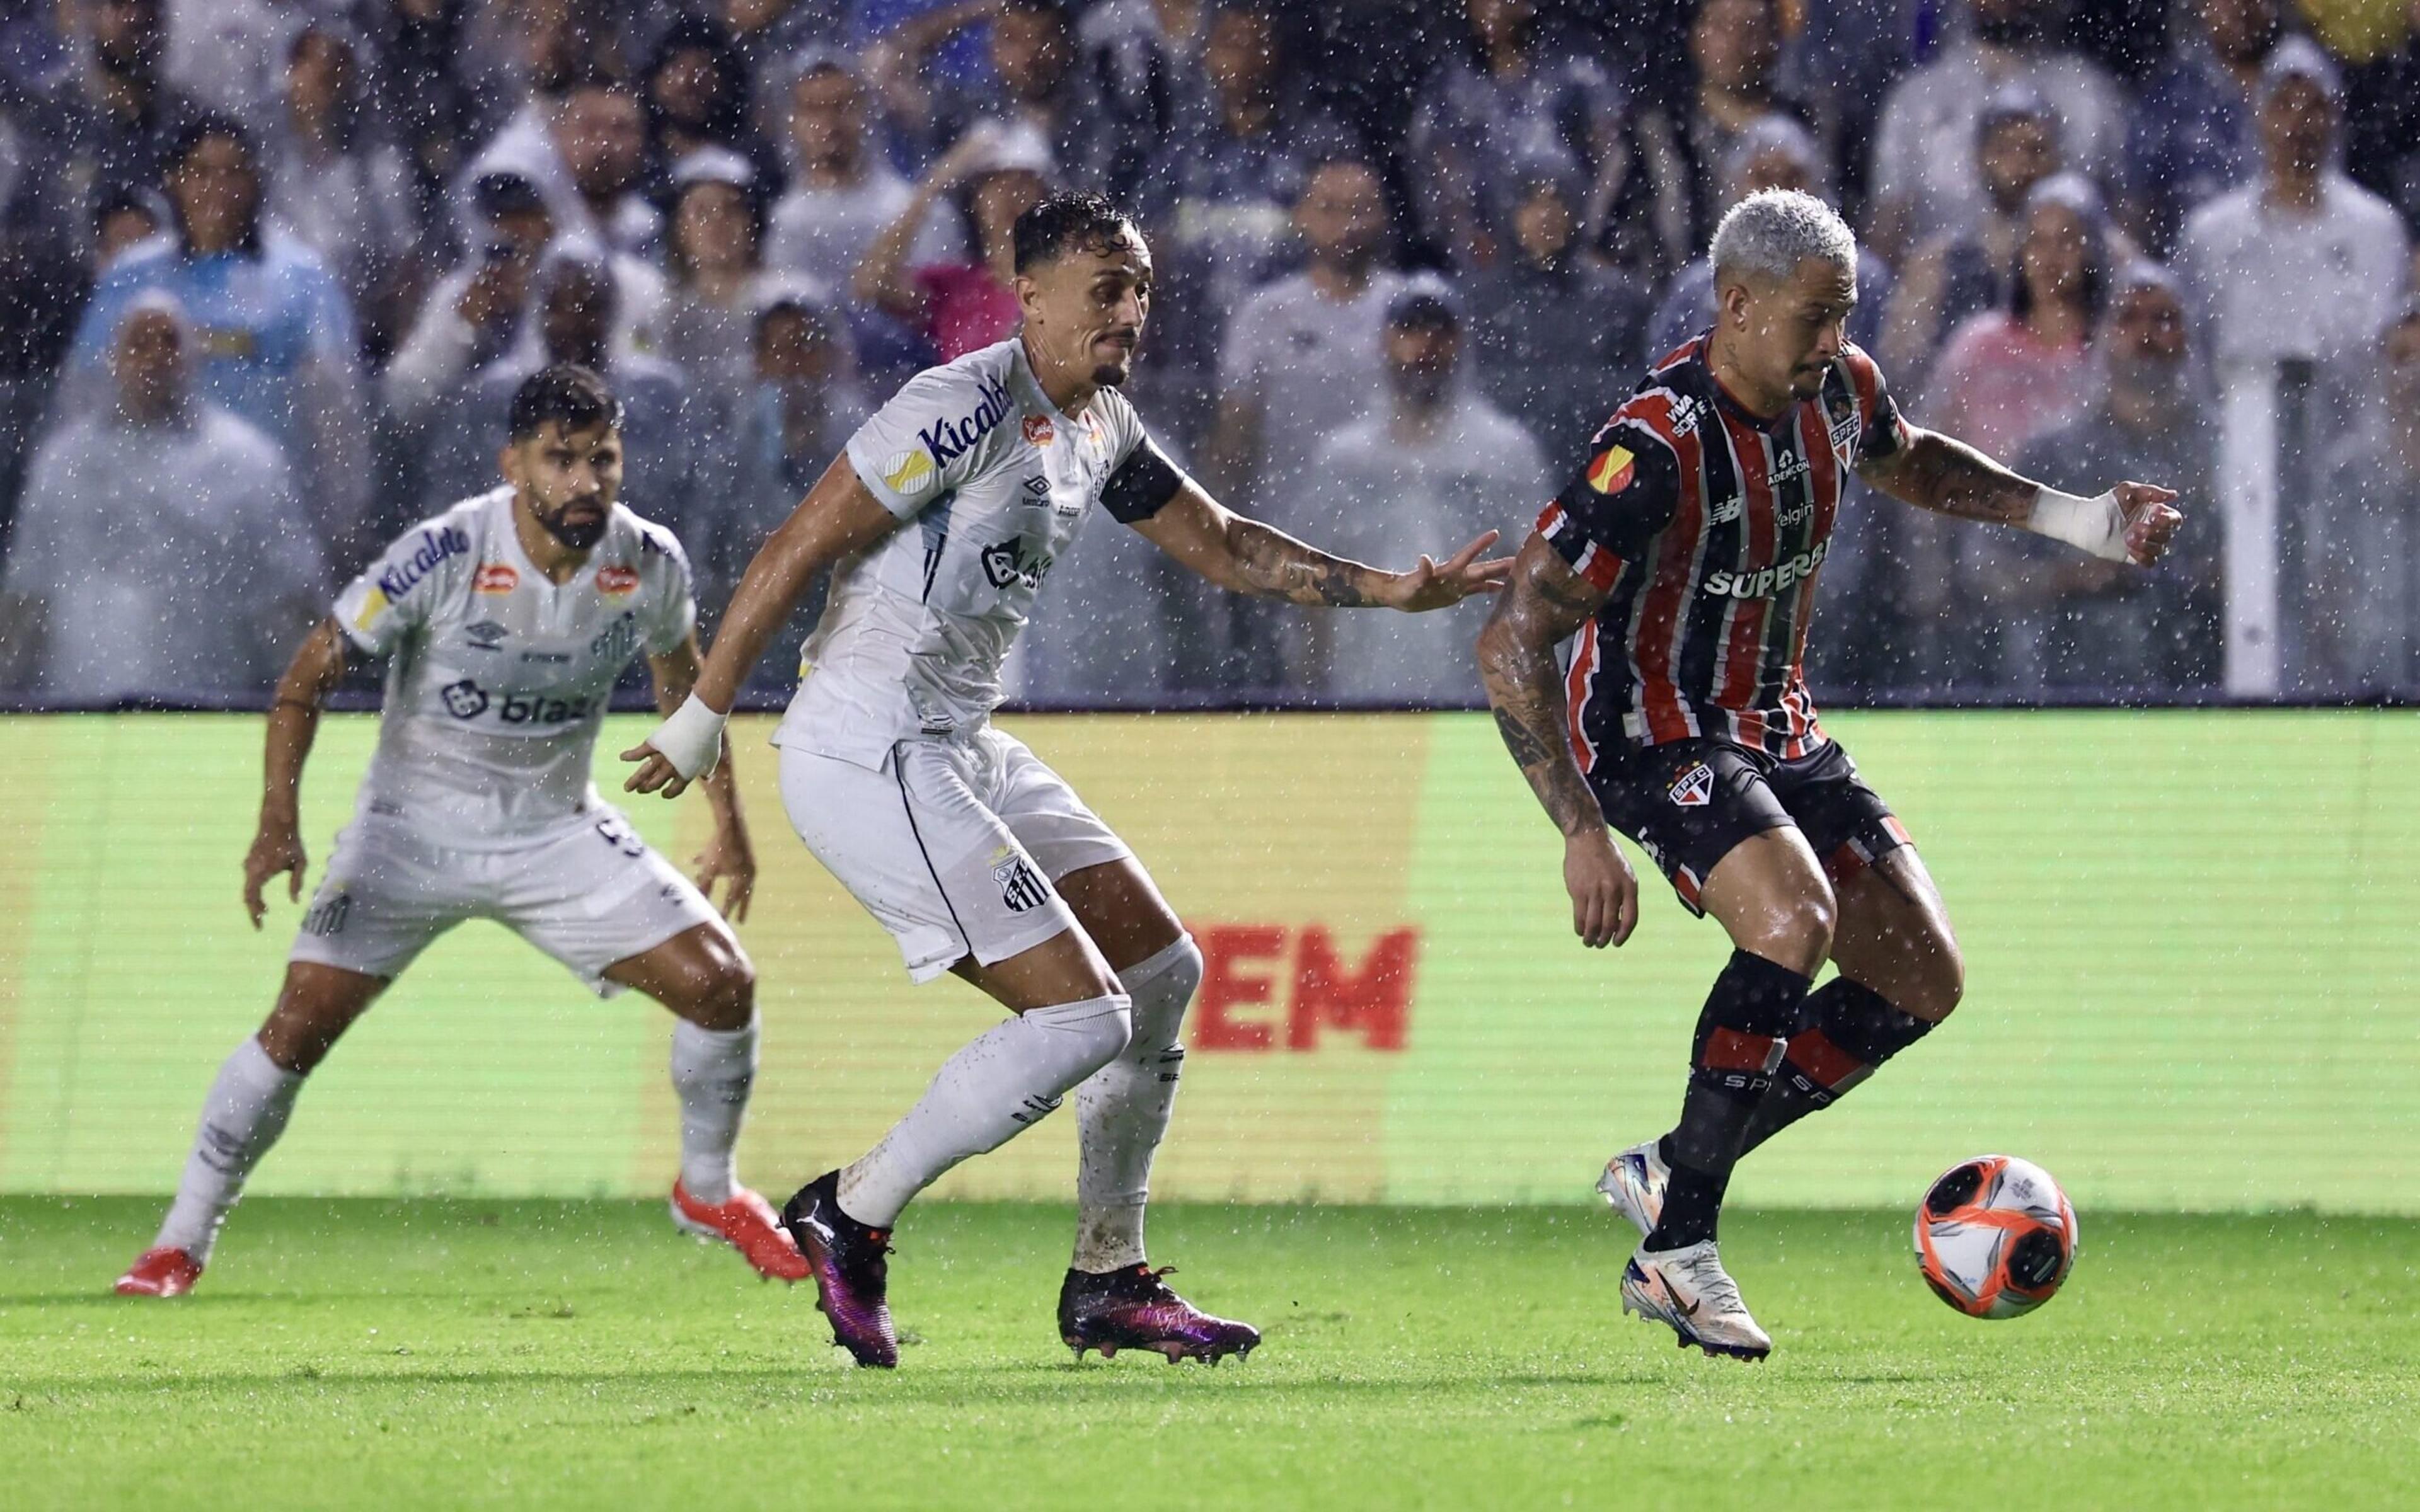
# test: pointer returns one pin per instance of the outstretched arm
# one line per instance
(1543, 605)
(728, 856)
(2132, 522)
(1246, 556)
(317, 667)
(838, 518)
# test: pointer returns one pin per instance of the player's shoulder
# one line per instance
(429, 551)
(645, 540)
(1665, 408)
(969, 392)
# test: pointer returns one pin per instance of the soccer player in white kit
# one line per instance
(942, 519)
(504, 621)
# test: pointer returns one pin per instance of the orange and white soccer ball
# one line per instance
(1996, 1237)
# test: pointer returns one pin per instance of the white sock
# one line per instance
(246, 1112)
(712, 1070)
(1010, 1077)
(1122, 1111)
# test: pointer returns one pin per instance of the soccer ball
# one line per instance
(1996, 1237)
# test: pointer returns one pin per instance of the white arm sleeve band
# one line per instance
(2097, 524)
(690, 738)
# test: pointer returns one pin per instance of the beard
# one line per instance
(579, 535)
(1110, 374)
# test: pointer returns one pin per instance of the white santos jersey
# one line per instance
(994, 481)
(497, 679)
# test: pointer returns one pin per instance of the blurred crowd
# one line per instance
(269, 271)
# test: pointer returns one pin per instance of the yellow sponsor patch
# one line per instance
(372, 607)
(908, 472)
(1610, 472)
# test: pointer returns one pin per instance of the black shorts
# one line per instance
(1688, 802)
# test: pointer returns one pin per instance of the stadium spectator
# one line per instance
(993, 175)
(1964, 271)
(271, 330)
(1434, 468)
(330, 179)
(433, 88)
(1770, 153)
(2080, 627)
(717, 286)
(802, 404)
(1217, 201)
(1034, 85)
(1304, 358)
(1148, 58)
(695, 90)
(2360, 583)
(1679, 148)
(583, 150)
(2191, 138)
(1549, 327)
(105, 124)
(844, 194)
(1924, 177)
(768, 37)
(2382, 123)
(1506, 92)
(913, 47)
(2303, 265)
(161, 550)
(2008, 375)
(576, 293)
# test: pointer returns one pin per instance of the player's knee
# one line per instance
(1943, 984)
(1091, 1034)
(1798, 929)
(726, 995)
(1161, 999)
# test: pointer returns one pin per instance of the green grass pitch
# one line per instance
(391, 1354)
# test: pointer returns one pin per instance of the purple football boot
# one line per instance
(1132, 1308)
(852, 1278)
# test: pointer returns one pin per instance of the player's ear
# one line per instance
(509, 462)
(1029, 294)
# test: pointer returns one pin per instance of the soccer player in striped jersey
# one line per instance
(1683, 557)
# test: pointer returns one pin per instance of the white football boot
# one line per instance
(1688, 1288)
(1633, 1186)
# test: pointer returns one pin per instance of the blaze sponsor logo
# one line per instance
(616, 578)
(465, 700)
(1013, 561)
(1767, 581)
(433, 548)
(487, 635)
(1694, 788)
(1611, 471)
(1020, 888)
(495, 578)
(1264, 985)
(1037, 430)
(948, 439)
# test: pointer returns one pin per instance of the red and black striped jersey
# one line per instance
(1707, 527)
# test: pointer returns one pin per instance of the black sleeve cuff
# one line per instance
(1142, 484)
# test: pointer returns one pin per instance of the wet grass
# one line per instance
(580, 1354)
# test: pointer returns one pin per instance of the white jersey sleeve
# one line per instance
(391, 596)
(926, 442)
(671, 599)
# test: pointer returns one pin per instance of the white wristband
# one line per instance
(690, 738)
(2097, 524)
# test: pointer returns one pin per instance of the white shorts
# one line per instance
(954, 844)
(588, 896)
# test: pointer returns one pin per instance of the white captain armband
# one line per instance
(1142, 484)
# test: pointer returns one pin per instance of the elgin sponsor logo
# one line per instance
(1266, 983)
(614, 578)
(496, 577)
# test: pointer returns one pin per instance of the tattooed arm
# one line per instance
(1544, 603)
(1947, 476)
(1244, 556)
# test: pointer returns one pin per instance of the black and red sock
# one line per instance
(1850, 1029)
(1754, 1006)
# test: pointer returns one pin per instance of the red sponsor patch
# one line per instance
(617, 579)
(495, 578)
(1037, 429)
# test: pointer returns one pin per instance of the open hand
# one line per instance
(1443, 584)
(656, 773)
(729, 859)
(2152, 522)
(277, 848)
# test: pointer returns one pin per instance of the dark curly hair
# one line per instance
(1067, 220)
(577, 397)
